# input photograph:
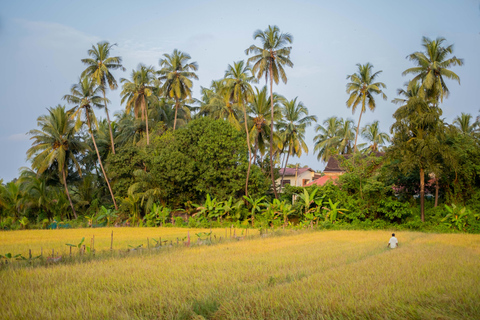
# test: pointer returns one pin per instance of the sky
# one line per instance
(42, 44)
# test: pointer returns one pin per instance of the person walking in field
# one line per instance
(393, 243)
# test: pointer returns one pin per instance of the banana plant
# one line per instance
(256, 206)
(91, 218)
(9, 256)
(108, 214)
(228, 206)
(209, 206)
(456, 217)
(333, 211)
(79, 245)
(24, 222)
(307, 199)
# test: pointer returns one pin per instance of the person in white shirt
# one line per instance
(393, 243)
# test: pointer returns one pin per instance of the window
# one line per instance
(305, 181)
(285, 182)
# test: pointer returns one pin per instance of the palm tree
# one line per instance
(334, 137)
(431, 66)
(371, 132)
(12, 198)
(292, 126)
(85, 95)
(269, 61)
(137, 92)
(237, 83)
(360, 89)
(55, 142)
(177, 74)
(259, 109)
(464, 124)
(98, 68)
(412, 90)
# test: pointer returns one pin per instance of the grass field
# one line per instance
(300, 275)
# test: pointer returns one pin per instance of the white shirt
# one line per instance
(393, 242)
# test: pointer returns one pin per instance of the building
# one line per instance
(297, 177)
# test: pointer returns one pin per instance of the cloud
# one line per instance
(18, 137)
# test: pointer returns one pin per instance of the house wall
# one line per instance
(306, 177)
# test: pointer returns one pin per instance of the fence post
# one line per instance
(148, 243)
(30, 253)
(111, 242)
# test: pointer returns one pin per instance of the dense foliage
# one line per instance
(171, 159)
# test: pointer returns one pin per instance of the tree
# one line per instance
(269, 60)
(137, 92)
(292, 126)
(259, 109)
(371, 132)
(177, 74)
(56, 142)
(237, 83)
(464, 124)
(431, 67)
(361, 90)
(415, 142)
(98, 68)
(85, 95)
(334, 137)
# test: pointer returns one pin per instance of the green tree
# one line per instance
(99, 68)
(431, 68)
(12, 199)
(361, 90)
(237, 82)
(56, 142)
(138, 91)
(269, 60)
(334, 137)
(292, 126)
(85, 95)
(177, 74)
(415, 143)
(464, 124)
(376, 138)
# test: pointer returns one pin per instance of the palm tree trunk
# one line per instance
(286, 163)
(422, 194)
(108, 121)
(146, 118)
(437, 187)
(271, 135)
(358, 126)
(256, 149)
(249, 148)
(176, 110)
(100, 161)
(68, 194)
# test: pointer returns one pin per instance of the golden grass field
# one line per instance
(299, 275)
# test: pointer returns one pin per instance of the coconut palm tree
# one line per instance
(238, 79)
(465, 125)
(85, 96)
(139, 91)
(412, 89)
(371, 132)
(431, 68)
(292, 126)
(335, 136)
(56, 143)
(259, 110)
(99, 68)
(360, 89)
(269, 60)
(177, 74)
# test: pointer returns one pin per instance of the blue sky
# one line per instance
(42, 42)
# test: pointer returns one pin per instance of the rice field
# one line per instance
(298, 275)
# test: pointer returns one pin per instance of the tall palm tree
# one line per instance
(85, 96)
(293, 124)
(269, 60)
(259, 110)
(412, 90)
(464, 124)
(237, 83)
(371, 132)
(361, 88)
(177, 74)
(98, 68)
(55, 142)
(334, 137)
(138, 91)
(432, 66)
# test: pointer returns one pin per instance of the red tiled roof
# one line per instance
(321, 181)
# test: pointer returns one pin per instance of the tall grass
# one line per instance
(305, 275)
